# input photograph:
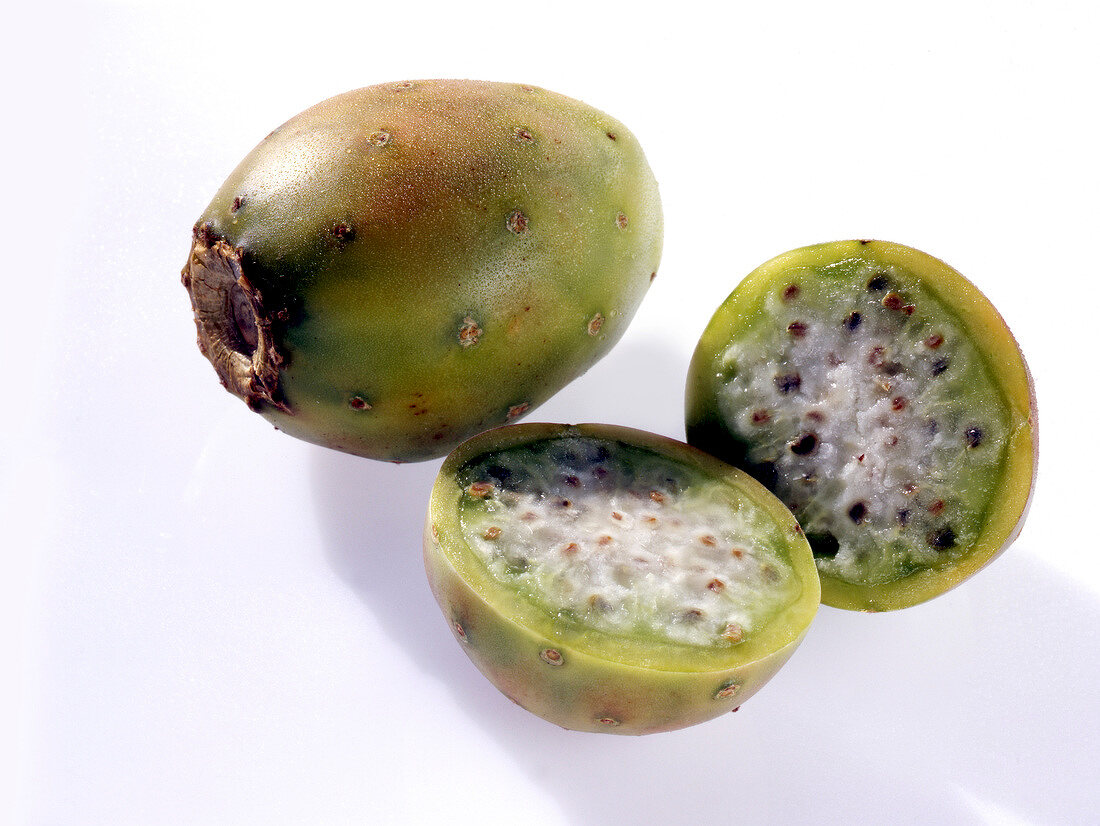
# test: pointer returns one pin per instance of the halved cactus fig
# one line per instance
(612, 580)
(883, 398)
(402, 266)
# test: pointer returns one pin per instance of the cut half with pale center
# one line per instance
(881, 396)
(612, 580)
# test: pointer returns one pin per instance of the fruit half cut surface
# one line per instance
(612, 580)
(881, 396)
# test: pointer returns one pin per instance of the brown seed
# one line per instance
(611, 135)
(791, 293)
(709, 541)
(238, 202)
(937, 507)
(516, 410)
(605, 540)
(733, 632)
(877, 356)
(344, 233)
(761, 417)
(572, 481)
(691, 615)
(899, 403)
(797, 329)
(716, 585)
(380, 138)
(788, 382)
(877, 283)
(358, 403)
(616, 515)
(492, 532)
(737, 553)
(571, 549)
(943, 539)
(815, 416)
(804, 445)
(480, 489)
(608, 721)
(459, 630)
(529, 516)
(621, 221)
(657, 496)
(650, 520)
(565, 503)
(933, 341)
(857, 512)
(892, 301)
(595, 324)
(598, 603)
(523, 135)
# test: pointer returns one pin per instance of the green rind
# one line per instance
(986, 329)
(379, 316)
(643, 687)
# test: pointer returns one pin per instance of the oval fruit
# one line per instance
(612, 580)
(883, 398)
(402, 266)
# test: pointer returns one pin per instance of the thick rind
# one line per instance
(988, 332)
(446, 255)
(604, 683)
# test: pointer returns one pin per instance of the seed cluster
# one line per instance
(856, 398)
(626, 541)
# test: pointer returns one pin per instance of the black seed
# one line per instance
(933, 427)
(804, 445)
(238, 202)
(499, 472)
(823, 544)
(878, 283)
(973, 436)
(788, 382)
(344, 233)
(857, 512)
(796, 329)
(942, 539)
(853, 321)
(938, 366)
(903, 516)
(765, 473)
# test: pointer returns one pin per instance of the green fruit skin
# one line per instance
(603, 684)
(707, 430)
(446, 255)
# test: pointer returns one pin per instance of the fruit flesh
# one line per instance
(428, 260)
(884, 400)
(667, 591)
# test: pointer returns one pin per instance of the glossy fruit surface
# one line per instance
(402, 266)
(612, 580)
(883, 398)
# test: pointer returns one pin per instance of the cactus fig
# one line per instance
(883, 398)
(612, 580)
(402, 266)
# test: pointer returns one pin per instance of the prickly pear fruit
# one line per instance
(883, 398)
(612, 580)
(402, 266)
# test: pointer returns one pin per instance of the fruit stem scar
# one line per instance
(234, 327)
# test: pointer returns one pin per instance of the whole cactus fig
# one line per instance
(402, 266)
(883, 398)
(612, 580)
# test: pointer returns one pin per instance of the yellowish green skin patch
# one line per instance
(450, 253)
(612, 580)
(884, 401)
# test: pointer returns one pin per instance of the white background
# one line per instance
(205, 621)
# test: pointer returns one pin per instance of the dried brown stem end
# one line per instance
(233, 327)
